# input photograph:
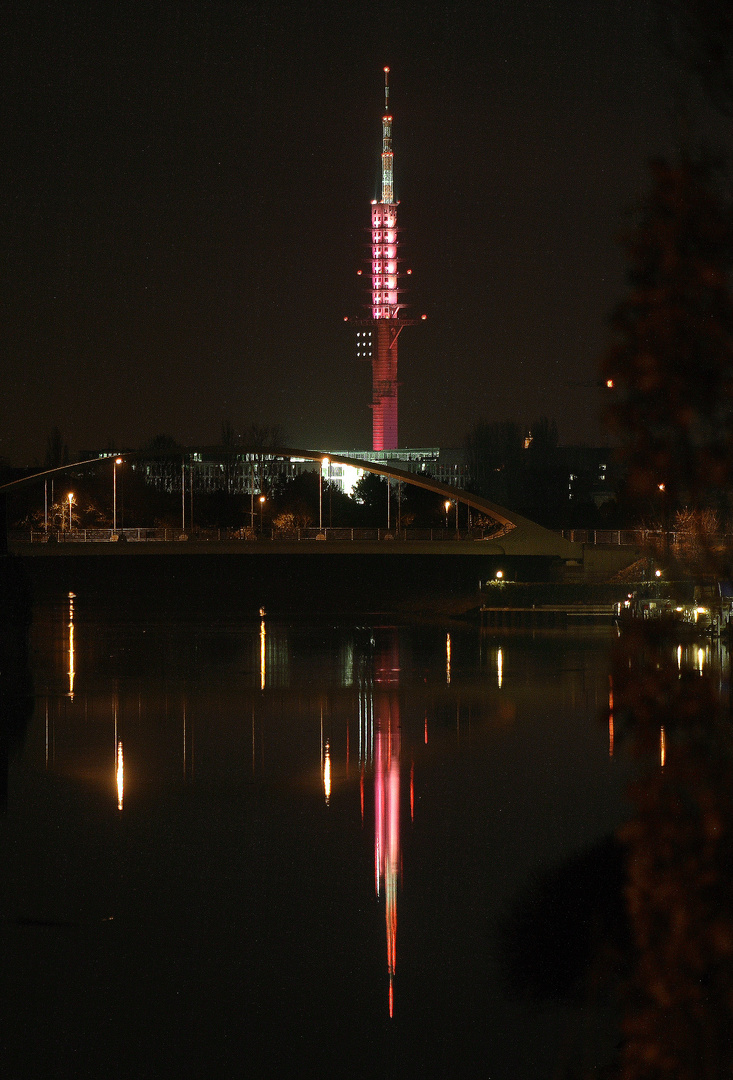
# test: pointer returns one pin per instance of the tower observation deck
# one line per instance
(385, 322)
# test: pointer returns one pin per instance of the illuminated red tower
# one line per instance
(385, 323)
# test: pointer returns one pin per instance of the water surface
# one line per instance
(237, 845)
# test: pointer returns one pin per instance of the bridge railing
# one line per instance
(646, 538)
(617, 537)
(152, 535)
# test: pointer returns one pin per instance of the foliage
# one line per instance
(263, 436)
(699, 33)
(370, 491)
(228, 444)
(679, 843)
(297, 496)
(84, 515)
(57, 451)
(289, 521)
(495, 460)
(161, 444)
(421, 509)
(671, 363)
(696, 539)
(519, 467)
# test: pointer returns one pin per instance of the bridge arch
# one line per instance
(516, 534)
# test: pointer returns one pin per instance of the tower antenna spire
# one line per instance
(386, 89)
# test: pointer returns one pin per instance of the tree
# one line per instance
(542, 444)
(228, 444)
(699, 33)
(263, 436)
(494, 452)
(696, 540)
(161, 444)
(298, 497)
(57, 451)
(421, 508)
(671, 364)
(544, 482)
(370, 491)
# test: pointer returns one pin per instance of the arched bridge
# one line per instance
(514, 535)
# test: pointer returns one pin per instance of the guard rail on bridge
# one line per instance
(82, 536)
(611, 537)
(633, 537)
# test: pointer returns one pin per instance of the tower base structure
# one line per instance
(384, 386)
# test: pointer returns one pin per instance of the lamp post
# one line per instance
(252, 496)
(71, 500)
(446, 504)
(117, 461)
(324, 462)
(262, 502)
(665, 521)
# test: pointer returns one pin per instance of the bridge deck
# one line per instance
(246, 548)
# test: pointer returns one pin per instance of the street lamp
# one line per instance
(117, 461)
(324, 462)
(262, 500)
(446, 504)
(71, 499)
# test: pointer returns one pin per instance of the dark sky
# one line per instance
(186, 191)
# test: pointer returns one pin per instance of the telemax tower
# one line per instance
(385, 323)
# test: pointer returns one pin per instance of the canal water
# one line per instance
(239, 844)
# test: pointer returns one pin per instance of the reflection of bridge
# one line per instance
(510, 535)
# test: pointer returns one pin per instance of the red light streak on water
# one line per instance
(412, 791)
(387, 853)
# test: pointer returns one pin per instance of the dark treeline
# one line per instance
(280, 502)
(525, 468)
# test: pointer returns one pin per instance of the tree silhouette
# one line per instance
(57, 451)
(699, 33)
(671, 364)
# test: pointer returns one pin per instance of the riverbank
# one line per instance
(416, 586)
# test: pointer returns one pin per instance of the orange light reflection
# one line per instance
(327, 772)
(120, 776)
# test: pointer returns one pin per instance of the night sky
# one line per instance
(186, 200)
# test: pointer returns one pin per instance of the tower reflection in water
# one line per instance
(72, 670)
(387, 856)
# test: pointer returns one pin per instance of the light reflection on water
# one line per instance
(261, 761)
